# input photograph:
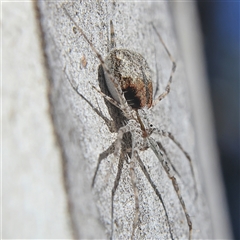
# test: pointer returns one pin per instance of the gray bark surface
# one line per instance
(52, 137)
(84, 134)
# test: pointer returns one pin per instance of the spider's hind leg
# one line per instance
(135, 189)
(117, 154)
(156, 192)
(165, 152)
(116, 183)
(101, 157)
(161, 157)
(170, 135)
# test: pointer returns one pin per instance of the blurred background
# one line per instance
(220, 28)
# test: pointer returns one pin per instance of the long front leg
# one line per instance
(117, 155)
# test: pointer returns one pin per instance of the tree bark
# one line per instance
(84, 134)
(85, 125)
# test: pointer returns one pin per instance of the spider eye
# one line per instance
(151, 125)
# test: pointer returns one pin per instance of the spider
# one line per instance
(128, 78)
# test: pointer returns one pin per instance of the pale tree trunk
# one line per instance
(85, 127)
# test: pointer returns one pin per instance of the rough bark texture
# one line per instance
(86, 127)
(84, 135)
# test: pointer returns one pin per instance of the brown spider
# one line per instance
(128, 78)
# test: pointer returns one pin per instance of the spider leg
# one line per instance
(111, 100)
(116, 149)
(102, 156)
(112, 33)
(157, 75)
(117, 154)
(155, 190)
(169, 135)
(116, 183)
(154, 146)
(167, 88)
(84, 35)
(136, 194)
(117, 85)
(133, 127)
(165, 153)
(98, 111)
(128, 128)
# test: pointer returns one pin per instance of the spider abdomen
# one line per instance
(134, 75)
